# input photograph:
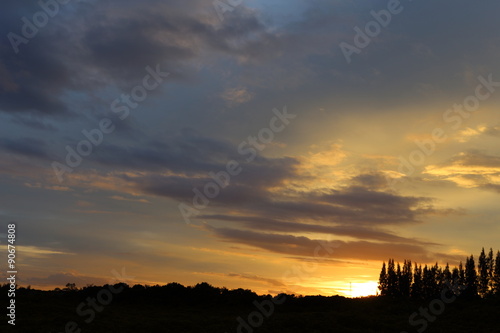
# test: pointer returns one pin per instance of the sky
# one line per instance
(279, 146)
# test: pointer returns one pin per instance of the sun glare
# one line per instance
(360, 289)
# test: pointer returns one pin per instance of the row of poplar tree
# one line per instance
(413, 281)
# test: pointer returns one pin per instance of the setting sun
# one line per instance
(360, 289)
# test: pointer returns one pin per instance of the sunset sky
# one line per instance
(385, 148)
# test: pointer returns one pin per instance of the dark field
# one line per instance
(174, 308)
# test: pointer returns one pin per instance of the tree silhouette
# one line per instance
(438, 284)
(496, 275)
(428, 282)
(455, 275)
(405, 280)
(461, 274)
(491, 268)
(397, 292)
(417, 286)
(70, 287)
(470, 278)
(447, 276)
(483, 274)
(382, 286)
(392, 279)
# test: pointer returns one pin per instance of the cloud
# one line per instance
(472, 169)
(94, 45)
(188, 152)
(320, 227)
(260, 197)
(34, 123)
(61, 279)
(376, 181)
(121, 198)
(263, 186)
(479, 131)
(492, 130)
(290, 196)
(29, 147)
(90, 45)
(235, 96)
(251, 277)
(305, 247)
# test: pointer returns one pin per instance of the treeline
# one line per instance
(412, 281)
(171, 293)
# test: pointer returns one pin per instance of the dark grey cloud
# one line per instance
(190, 153)
(118, 39)
(359, 232)
(306, 247)
(372, 181)
(180, 165)
(181, 189)
(384, 206)
(191, 156)
(29, 147)
(34, 123)
(428, 44)
(115, 39)
(349, 205)
(492, 131)
(267, 218)
(476, 158)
